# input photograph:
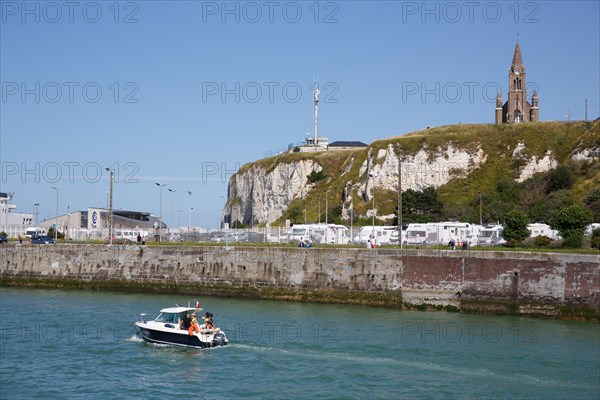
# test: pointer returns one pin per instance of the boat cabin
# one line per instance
(174, 315)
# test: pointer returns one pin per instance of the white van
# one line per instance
(491, 236)
(35, 231)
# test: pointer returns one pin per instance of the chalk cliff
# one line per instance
(460, 161)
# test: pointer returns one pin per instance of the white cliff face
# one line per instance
(419, 171)
(265, 196)
(271, 193)
(536, 165)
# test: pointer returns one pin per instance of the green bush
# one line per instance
(515, 227)
(573, 242)
(541, 241)
(560, 178)
(316, 176)
(571, 223)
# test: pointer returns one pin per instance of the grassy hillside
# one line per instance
(573, 182)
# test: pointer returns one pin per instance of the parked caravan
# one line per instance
(491, 235)
(417, 233)
(299, 232)
(591, 227)
(380, 234)
(329, 234)
(130, 234)
(538, 229)
(443, 233)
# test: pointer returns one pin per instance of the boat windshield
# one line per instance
(167, 317)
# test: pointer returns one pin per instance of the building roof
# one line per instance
(342, 143)
(517, 59)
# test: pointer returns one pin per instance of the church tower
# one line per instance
(517, 109)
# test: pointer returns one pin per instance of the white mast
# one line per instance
(315, 113)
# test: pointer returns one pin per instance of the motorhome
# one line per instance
(330, 234)
(491, 235)
(417, 233)
(381, 234)
(538, 229)
(445, 232)
(299, 232)
(130, 234)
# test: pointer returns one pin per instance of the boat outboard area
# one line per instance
(181, 326)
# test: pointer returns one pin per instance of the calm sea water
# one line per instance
(78, 344)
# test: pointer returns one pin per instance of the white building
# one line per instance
(12, 222)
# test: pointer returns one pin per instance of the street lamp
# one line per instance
(110, 209)
(326, 205)
(172, 202)
(251, 214)
(222, 220)
(36, 205)
(480, 210)
(399, 197)
(373, 228)
(179, 217)
(190, 212)
(160, 185)
(56, 224)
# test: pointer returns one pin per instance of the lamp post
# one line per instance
(160, 185)
(399, 198)
(190, 212)
(179, 217)
(56, 224)
(172, 202)
(373, 228)
(326, 205)
(351, 218)
(36, 205)
(68, 220)
(480, 210)
(222, 220)
(319, 209)
(110, 209)
(251, 214)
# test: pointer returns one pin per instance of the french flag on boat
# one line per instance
(197, 304)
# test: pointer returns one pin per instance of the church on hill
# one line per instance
(517, 108)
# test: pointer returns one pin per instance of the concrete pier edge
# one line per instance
(547, 285)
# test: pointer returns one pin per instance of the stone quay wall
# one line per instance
(555, 285)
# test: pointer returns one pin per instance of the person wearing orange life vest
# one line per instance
(193, 326)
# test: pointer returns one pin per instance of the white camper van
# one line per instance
(381, 234)
(538, 229)
(491, 235)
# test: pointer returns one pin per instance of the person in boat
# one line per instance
(193, 326)
(186, 322)
(208, 320)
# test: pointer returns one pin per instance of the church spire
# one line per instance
(517, 59)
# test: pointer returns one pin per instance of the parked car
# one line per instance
(37, 239)
(3, 239)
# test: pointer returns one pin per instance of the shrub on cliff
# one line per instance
(316, 176)
(515, 227)
(571, 223)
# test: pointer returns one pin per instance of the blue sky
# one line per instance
(184, 92)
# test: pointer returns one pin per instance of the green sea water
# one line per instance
(82, 345)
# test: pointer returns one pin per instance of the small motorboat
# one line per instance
(167, 328)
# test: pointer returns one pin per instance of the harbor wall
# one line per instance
(520, 283)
